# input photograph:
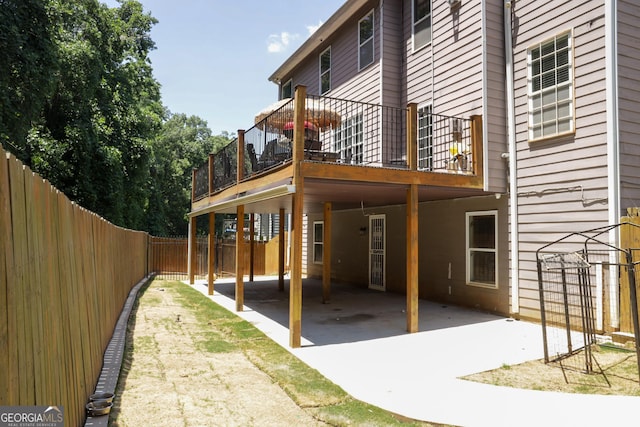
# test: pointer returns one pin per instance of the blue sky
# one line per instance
(213, 58)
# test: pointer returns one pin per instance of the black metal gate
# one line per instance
(571, 270)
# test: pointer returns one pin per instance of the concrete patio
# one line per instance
(358, 341)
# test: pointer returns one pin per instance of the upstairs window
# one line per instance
(365, 41)
(421, 23)
(325, 71)
(286, 90)
(551, 87)
(425, 138)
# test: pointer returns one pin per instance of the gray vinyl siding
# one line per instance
(457, 56)
(392, 59)
(347, 81)
(455, 84)
(495, 122)
(562, 181)
(629, 102)
(418, 65)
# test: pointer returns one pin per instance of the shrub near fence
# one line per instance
(65, 274)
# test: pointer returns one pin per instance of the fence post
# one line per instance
(240, 258)
(211, 253)
(251, 245)
(192, 250)
(281, 259)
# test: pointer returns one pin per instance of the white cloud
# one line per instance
(277, 43)
(313, 28)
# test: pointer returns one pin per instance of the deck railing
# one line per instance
(341, 131)
(444, 144)
(337, 130)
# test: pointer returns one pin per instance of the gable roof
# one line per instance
(342, 15)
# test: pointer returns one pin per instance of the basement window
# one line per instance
(318, 242)
(481, 251)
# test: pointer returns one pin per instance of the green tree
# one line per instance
(184, 143)
(28, 56)
(89, 133)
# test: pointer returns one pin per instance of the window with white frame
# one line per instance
(365, 41)
(551, 87)
(318, 242)
(482, 246)
(421, 23)
(325, 71)
(348, 140)
(425, 138)
(286, 90)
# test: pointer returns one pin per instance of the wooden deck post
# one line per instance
(281, 258)
(412, 220)
(412, 258)
(476, 145)
(211, 253)
(212, 181)
(240, 156)
(295, 282)
(193, 184)
(412, 136)
(240, 258)
(252, 245)
(193, 250)
(326, 255)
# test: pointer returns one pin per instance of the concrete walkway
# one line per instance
(359, 342)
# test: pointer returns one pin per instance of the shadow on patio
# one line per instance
(353, 314)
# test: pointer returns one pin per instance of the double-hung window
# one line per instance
(421, 23)
(425, 138)
(482, 246)
(325, 71)
(348, 140)
(365, 41)
(318, 242)
(551, 87)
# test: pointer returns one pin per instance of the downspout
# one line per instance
(485, 96)
(380, 61)
(513, 176)
(613, 147)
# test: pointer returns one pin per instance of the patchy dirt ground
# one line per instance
(615, 371)
(171, 382)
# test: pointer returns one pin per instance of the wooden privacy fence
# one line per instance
(65, 274)
(629, 239)
(169, 257)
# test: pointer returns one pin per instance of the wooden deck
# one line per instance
(311, 184)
